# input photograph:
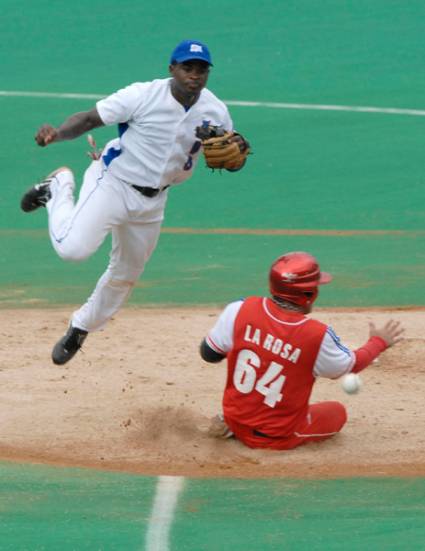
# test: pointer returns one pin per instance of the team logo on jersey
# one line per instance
(288, 276)
(196, 48)
(205, 123)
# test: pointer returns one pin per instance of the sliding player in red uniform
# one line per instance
(274, 355)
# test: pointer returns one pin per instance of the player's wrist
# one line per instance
(380, 341)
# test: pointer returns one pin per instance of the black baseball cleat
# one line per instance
(39, 194)
(36, 197)
(68, 345)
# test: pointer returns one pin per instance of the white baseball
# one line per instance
(351, 383)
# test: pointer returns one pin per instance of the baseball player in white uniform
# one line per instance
(125, 189)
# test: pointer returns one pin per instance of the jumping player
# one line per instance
(274, 355)
(125, 188)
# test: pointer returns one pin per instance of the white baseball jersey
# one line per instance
(333, 359)
(157, 145)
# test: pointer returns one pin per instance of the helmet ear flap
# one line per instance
(311, 296)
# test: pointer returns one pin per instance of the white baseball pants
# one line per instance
(76, 231)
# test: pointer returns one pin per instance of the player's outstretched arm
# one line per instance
(71, 128)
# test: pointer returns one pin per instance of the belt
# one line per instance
(148, 191)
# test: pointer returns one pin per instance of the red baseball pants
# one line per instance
(323, 421)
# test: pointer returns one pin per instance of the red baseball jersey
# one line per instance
(270, 367)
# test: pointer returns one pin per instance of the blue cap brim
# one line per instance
(192, 56)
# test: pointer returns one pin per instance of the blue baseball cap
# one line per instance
(190, 49)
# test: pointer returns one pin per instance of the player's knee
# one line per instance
(339, 415)
(73, 252)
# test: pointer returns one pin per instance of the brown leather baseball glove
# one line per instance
(223, 149)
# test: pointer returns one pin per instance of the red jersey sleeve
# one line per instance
(368, 352)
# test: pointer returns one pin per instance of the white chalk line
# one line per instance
(168, 489)
(60, 95)
(318, 107)
(238, 103)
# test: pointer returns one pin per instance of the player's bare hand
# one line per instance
(95, 153)
(46, 134)
(391, 332)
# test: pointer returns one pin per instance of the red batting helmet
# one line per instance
(295, 277)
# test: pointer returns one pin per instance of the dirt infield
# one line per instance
(139, 399)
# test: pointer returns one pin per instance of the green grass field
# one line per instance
(355, 172)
